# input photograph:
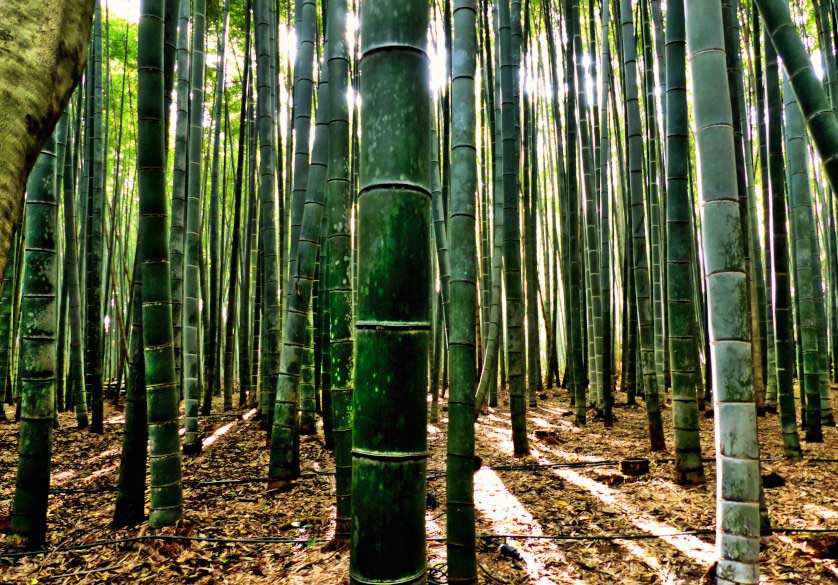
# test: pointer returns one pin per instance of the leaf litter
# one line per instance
(535, 501)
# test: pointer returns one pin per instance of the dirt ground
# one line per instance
(570, 503)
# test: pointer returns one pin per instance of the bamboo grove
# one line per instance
(335, 212)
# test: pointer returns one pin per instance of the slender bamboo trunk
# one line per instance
(191, 276)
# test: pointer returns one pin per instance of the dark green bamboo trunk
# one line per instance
(178, 208)
(130, 495)
(191, 275)
(512, 233)
(393, 325)
(212, 359)
(807, 266)
(160, 381)
(784, 330)
(737, 448)
(94, 248)
(679, 256)
(338, 276)
(305, 13)
(248, 312)
(642, 282)
(75, 382)
(285, 443)
(269, 354)
(574, 310)
(36, 368)
(232, 289)
(604, 237)
(462, 560)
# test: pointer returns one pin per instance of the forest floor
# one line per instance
(576, 503)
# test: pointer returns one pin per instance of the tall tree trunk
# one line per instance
(462, 314)
(158, 354)
(130, 495)
(642, 282)
(737, 450)
(512, 233)
(392, 331)
(679, 256)
(338, 273)
(95, 203)
(42, 61)
(285, 446)
(179, 181)
(191, 275)
(232, 305)
(214, 239)
(269, 354)
(38, 352)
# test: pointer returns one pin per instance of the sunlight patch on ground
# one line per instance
(665, 575)
(65, 476)
(539, 421)
(220, 431)
(690, 546)
(821, 511)
(508, 516)
(827, 564)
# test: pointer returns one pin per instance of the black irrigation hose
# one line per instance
(314, 540)
(432, 474)
(157, 537)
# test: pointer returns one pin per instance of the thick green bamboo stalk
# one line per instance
(130, 495)
(212, 363)
(338, 278)
(591, 234)
(305, 14)
(640, 268)
(679, 256)
(266, 112)
(737, 448)
(512, 233)
(744, 179)
(770, 370)
(807, 264)
(96, 200)
(462, 341)
(285, 443)
(783, 325)
(232, 305)
(653, 198)
(191, 275)
(160, 380)
(393, 326)
(36, 368)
